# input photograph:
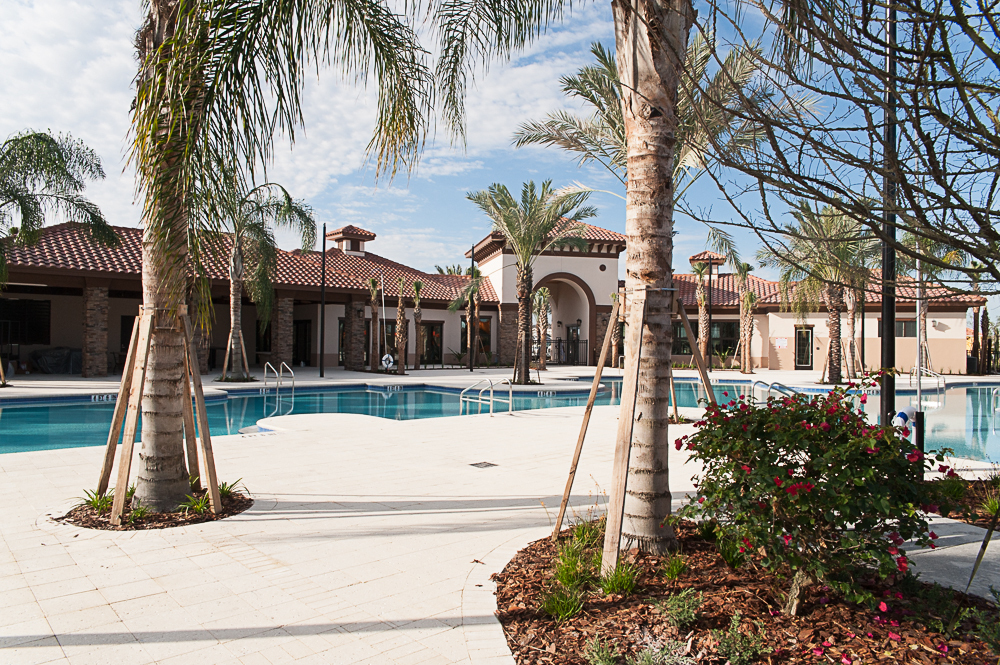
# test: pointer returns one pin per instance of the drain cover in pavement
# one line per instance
(483, 465)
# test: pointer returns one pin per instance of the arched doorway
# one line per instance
(574, 318)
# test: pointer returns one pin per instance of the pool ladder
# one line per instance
(768, 387)
(279, 379)
(481, 399)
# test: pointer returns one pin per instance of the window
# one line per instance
(903, 328)
(485, 335)
(724, 336)
(682, 346)
(25, 321)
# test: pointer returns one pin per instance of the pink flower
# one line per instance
(902, 564)
(863, 399)
(893, 636)
(788, 539)
(933, 535)
(943, 648)
(824, 426)
(817, 651)
(725, 393)
(871, 451)
(827, 644)
(899, 596)
(745, 468)
(883, 607)
(914, 455)
(743, 396)
(844, 660)
(893, 551)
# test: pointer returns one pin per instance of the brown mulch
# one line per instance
(827, 629)
(970, 505)
(87, 517)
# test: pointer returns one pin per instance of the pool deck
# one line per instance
(371, 541)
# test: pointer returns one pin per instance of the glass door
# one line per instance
(803, 348)
(431, 353)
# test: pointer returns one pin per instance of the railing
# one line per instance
(279, 379)
(939, 380)
(994, 408)
(480, 399)
(562, 351)
(281, 376)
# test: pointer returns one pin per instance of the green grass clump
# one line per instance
(226, 490)
(589, 534)
(988, 628)
(738, 647)
(562, 603)
(673, 567)
(991, 504)
(138, 512)
(196, 505)
(573, 567)
(731, 554)
(100, 502)
(622, 580)
(599, 652)
(681, 609)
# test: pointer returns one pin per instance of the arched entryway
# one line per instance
(572, 300)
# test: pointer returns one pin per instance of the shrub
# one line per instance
(599, 652)
(226, 490)
(673, 567)
(622, 580)
(196, 505)
(681, 609)
(733, 553)
(988, 628)
(738, 647)
(563, 603)
(99, 502)
(672, 653)
(804, 480)
(138, 513)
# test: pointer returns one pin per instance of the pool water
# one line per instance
(959, 418)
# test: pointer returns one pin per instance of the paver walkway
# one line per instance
(371, 541)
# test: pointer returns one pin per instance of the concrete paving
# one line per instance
(371, 541)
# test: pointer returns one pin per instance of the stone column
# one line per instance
(598, 342)
(507, 341)
(354, 335)
(95, 331)
(281, 331)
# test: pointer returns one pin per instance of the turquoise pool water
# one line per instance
(960, 418)
(51, 426)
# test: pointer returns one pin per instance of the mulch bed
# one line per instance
(970, 505)
(826, 630)
(87, 517)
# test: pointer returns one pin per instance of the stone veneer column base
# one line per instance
(507, 341)
(95, 331)
(354, 336)
(281, 332)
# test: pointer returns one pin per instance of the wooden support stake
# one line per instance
(3, 374)
(586, 422)
(695, 352)
(190, 439)
(132, 415)
(211, 479)
(229, 350)
(673, 396)
(623, 444)
(121, 402)
(243, 349)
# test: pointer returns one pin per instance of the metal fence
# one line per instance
(562, 352)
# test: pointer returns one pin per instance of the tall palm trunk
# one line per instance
(236, 310)
(852, 315)
(523, 361)
(975, 335)
(543, 333)
(373, 355)
(616, 338)
(703, 332)
(474, 349)
(468, 329)
(650, 49)
(834, 297)
(401, 334)
(162, 479)
(418, 335)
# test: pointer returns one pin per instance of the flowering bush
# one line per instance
(805, 482)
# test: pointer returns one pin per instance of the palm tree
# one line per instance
(540, 303)
(468, 297)
(701, 272)
(824, 254)
(542, 219)
(217, 82)
(975, 311)
(250, 217)
(450, 270)
(373, 355)
(417, 329)
(746, 319)
(41, 174)
(401, 331)
(616, 334)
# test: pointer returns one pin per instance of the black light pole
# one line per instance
(888, 387)
(474, 332)
(322, 310)
(711, 262)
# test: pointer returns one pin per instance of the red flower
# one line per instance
(871, 451)
(788, 539)
(678, 443)
(701, 499)
(883, 607)
(933, 535)
(824, 426)
(902, 564)
(725, 393)
(777, 481)
(942, 468)
(745, 468)
(914, 455)
(791, 472)
(863, 399)
(893, 550)
(906, 431)
(893, 636)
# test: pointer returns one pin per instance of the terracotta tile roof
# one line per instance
(725, 292)
(69, 247)
(906, 291)
(351, 231)
(706, 256)
(598, 234)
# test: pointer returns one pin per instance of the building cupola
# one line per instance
(350, 239)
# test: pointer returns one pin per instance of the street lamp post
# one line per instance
(888, 387)
(322, 310)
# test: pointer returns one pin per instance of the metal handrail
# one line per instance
(780, 387)
(277, 378)
(281, 375)
(994, 409)
(753, 388)
(939, 379)
(480, 400)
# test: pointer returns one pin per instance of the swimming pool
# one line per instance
(52, 426)
(960, 418)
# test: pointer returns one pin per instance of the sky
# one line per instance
(67, 66)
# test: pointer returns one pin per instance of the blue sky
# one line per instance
(68, 66)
